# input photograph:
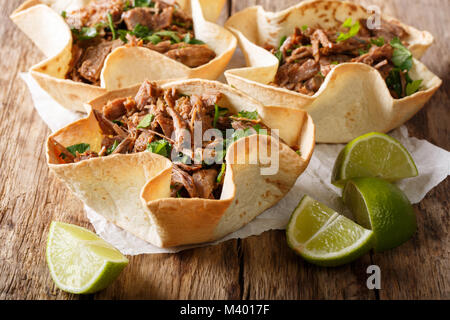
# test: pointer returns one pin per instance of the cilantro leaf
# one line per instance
(85, 33)
(111, 26)
(80, 148)
(353, 30)
(141, 31)
(144, 3)
(413, 87)
(304, 27)
(170, 34)
(112, 148)
(63, 14)
(146, 121)
(187, 39)
(218, 112)
(378, 41)
(394, 83)
(402, 57)
(282, 40)
(221, 173)
(161, 147)
(252, 115)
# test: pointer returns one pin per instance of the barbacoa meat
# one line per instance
(308, 55)
(160, 27)
(160, 121)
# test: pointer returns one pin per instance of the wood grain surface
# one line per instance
(259, 267)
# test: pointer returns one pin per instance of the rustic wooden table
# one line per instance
(259, 267)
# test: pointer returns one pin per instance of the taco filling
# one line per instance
(162, 121)
(309, 54)
(104, 25)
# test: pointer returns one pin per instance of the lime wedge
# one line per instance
(324, 237)
(382, 207)
(373, 155)
(79, 261)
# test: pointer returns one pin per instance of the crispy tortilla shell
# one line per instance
(354, 98)
(133, 190)
(125, 66)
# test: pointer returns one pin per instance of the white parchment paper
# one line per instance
(432, 162)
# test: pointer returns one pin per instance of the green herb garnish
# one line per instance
(170, 34)
(413, 87)
(146, 121)
(144, 3)
(252, 115)
(402, 57)
(85, 33)
(111, 26)
(161, 147)
(353, 30)
(378, 41)
(304, 27)
(112, 148)
(80, 148)
(187, 39)
(63, 14)
(218, 112)
(221, 173)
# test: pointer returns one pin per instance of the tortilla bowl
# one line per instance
(125, 66)
(133, 190)
(354, 99)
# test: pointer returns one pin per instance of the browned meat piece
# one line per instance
(166, 124)
(192, 55)
(184, 108)
(205, 182)
(388, 30)
(95, 13)
(85, 156)
(91, 63)
(201, 114)
(62, 152)
(375, 54)
(381, 64)
(190, 168)
(148, 17)
(142, 141)
(147, 95)
(108, 127)
(314, 83)
(130, 106)
(292, 41)
(125, 146)
(142, 16)
(210, 99)
(299, 54)
(161, 47)
(294, 73)
(163, 19)
(108, 142)
(114, 109)
(349, 46)
(182, 178)
(182, 134)
(320, 37)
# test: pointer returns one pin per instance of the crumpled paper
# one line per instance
(432, 162)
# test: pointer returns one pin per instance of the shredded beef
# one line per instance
(308, 56)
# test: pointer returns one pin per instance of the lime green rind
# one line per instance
(106, 273)
(390, 213)
(340, 176)
(315, 246)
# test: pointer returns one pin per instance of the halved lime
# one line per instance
(324, 237)
(79, 261)
(373, 155)
(382, 207)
